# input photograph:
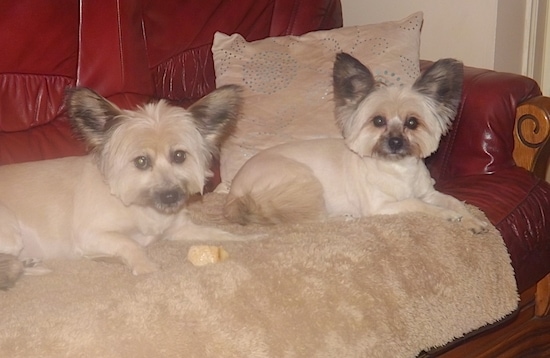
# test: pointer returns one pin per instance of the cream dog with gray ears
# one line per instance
(129, 192)
(377, 168)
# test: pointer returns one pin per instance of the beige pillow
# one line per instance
(288, 81)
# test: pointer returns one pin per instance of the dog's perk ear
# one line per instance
(90, 114)
(442, 82)
(352, 82)
(216, 113)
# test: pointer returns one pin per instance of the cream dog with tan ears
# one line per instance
(130, 191)
(377, 168)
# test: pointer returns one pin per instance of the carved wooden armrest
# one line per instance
(542, 297)
(532, 135)
(531, 151)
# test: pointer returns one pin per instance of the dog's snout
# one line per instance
(170, 197)
(168, 200)
(395, 143)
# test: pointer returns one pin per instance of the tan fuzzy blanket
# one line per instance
(386, 286)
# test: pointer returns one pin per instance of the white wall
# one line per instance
(481, 33)
(512, 34)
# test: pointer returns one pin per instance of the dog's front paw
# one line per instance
(470, 222)
(451, 215)
(10, 270)
(144, 267)
(475, 225)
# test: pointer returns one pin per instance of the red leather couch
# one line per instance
(134, 50)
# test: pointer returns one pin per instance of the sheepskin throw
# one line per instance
(385, 286)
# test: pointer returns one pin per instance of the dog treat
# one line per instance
(201, 255)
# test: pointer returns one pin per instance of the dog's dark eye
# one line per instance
(379, 121)
(411, 123)
(179, 156)
(142, 162)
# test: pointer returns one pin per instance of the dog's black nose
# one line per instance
(170, 197)
(395, 143)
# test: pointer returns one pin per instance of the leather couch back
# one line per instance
(179, 35)
(39, 41)
(111, 57)
(127, 50)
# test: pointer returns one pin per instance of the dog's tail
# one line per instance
(295, 202)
